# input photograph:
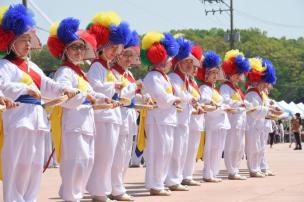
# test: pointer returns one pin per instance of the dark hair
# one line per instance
(298, 115)
(11, 56)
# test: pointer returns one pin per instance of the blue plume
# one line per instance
(120, 34)
(67, 30)
(170, 44)
(270, 73)
(18, 19)
(242, 64)
(185, 48)
(134, 40)
(211, 59)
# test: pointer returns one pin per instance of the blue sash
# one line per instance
(27, 99)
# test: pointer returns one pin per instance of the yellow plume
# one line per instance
(232, 53)
(53, 29)
(3, 10)
(177, 35)
(150, 38)
(107, 18)
(256, 64)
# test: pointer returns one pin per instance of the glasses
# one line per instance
(128, 55)
(78, 47)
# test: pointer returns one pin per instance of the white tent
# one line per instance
(287, 108)
(292, 104)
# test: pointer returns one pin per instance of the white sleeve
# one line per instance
(10, 88)
(152, 86)
(226, 93)
(261, 112)
(64, 77)
(206, 97)
(96, 76)
(183, 95)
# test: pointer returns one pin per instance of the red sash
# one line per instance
(123, 72)
(183, 77)
(255, 90)
(193, 83)
(22, 65)
(210, 85)
(77, 69)
(105, 64)
(235, 88)
(165, 76)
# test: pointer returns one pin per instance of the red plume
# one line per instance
(6, 39)
(101, 34)
(157, 54)
(55, 46)
(197, 52)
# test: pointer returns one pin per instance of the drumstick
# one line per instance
(102, 106)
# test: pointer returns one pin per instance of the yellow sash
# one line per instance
(201, 148)
(141, 130)
(216, 97)
(236, 97)
(110, 77)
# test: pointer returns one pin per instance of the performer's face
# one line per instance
(22, 45)
(212, 75)
(168, 66)
(125, 58)
(235, 78)
(111, 52)
(186, 65)
(194, 71)
(76, 51)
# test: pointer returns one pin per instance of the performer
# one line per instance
(122, 64)
(256, 118)
(183, 63)
(269, 78)
(217, 122)
(25, 126)
(196, 125)
(157, 48)
(76, 118)
(235, 67)
(111, 35)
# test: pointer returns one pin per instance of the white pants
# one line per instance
(77, 157)
(22, 159)
(135, 160)
(234, 150)
(193, 144)
(158, 154)
(253, 149)
(121, 163)
(177, 162)
(106, 139)
(263, 161)
(214, 146)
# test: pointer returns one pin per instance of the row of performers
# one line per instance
(93, 118)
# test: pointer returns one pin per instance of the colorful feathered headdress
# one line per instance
(108, 29)
(256, 72)
(15, 21)
(133, 45)
(157, 48)
(270, 73)
(185, 52)
(235, 63)
(211, 60)
(64, 33)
